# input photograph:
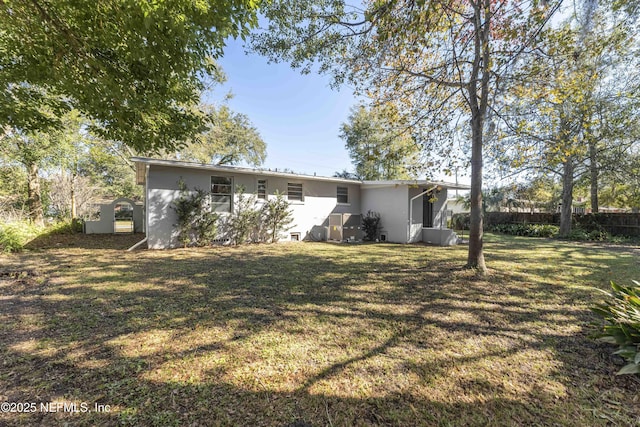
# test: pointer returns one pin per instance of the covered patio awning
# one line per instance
(415, 183)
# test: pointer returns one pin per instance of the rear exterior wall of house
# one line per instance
(392, 205)
(319, 200)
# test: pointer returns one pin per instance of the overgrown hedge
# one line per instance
(529, 230)
(599, 226)
(15, 235)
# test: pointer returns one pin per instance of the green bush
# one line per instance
(244, 222)
(277, 217)
(621, 315)
(579, 233)
(371, 225)
(196, 223)
(528, 230)
(65, 227)
(13, 236)
(461, 221)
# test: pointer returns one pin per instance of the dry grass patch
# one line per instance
(315, 334)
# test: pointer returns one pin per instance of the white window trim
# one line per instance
(266, 190)
(296, 201)
(347, 203)
(232, 194)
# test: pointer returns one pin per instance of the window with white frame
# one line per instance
(343, 195)
(294, 191)
(221, 194)
(262, 189)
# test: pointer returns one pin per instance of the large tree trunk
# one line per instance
(567, 198)
(476, 256)
(478, 92)
(34, 199)
(593, 169)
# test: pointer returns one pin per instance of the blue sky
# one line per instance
(298, 116)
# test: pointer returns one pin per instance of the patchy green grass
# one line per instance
(312, 334)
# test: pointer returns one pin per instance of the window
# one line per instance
(262, 189)
(343, 195)
(294, 191)
(221, 193)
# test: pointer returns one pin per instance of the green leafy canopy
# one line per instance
(135, 67)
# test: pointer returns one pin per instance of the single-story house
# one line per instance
(324, 208)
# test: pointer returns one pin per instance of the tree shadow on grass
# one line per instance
(311, 334)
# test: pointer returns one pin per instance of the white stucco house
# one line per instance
(324, 208)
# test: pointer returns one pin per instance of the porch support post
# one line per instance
(411, 210)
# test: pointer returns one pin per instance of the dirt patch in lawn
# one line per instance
(85, 241)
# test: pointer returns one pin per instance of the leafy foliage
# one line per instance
(137, 68)
(621, 315)
(379, 144)
(438, 62)
(460, 221)
(64, 227)
(229, 138)
(590, 229)
(580, 233)
(64, 158)
(277, 216)
(32, 151)
(14, 235)
(245, 222)
(371, 226)
(528, 230)
(13, 192)
(107, 165)
(571, 109)
(197, 225)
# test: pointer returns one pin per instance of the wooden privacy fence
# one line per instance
(617, 224)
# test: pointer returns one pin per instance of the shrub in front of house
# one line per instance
(247, 223)
(276, 217)
(621, 324)
(371, 226)
(197, 225)
(244, 223)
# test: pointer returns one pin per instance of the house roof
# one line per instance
(414, 183)
(238, 169)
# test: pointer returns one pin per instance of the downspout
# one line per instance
(146, 211)
(411, 210)
(137, 244)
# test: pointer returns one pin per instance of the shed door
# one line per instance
(335, 227)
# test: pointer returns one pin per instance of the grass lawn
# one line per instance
(312, 334)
